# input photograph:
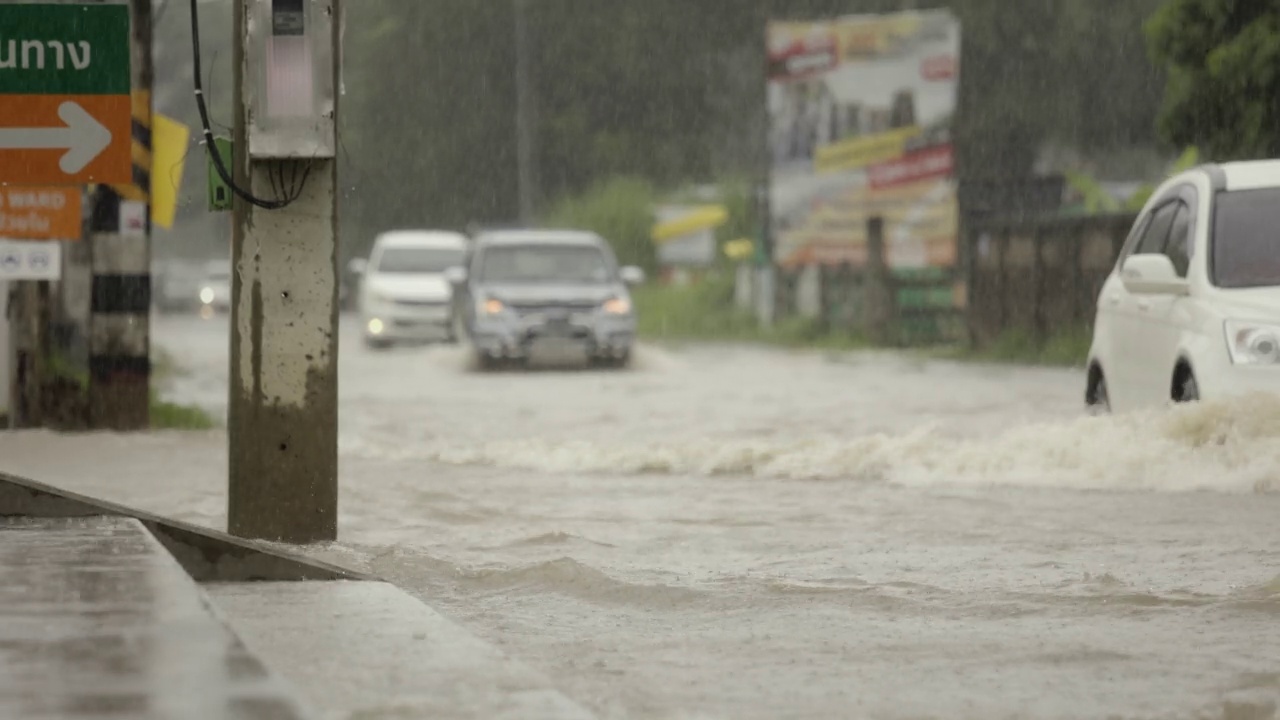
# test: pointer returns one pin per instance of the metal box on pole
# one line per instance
(292, 85)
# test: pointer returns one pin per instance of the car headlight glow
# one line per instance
(206, 296)
(491, 307)
(1252, 343)
(617, 306)
(375, 327)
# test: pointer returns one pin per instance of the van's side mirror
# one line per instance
(358, 266)
(631, 275)
(456, 275)
(1152, 274)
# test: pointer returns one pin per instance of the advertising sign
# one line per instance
(860, 118)
(686, 235)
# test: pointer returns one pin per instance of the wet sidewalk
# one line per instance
(98, 620)
(108, 612)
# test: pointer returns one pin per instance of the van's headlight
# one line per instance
(1252, 343)
(617, 306)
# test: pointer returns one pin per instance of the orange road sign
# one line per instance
(40, 213)
(65, 108)
(58, 140)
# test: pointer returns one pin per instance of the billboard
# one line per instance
(860, 117)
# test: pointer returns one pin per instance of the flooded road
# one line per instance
(741, 533)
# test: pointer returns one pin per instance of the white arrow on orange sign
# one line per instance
(83, 137)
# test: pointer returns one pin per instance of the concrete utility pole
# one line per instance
(525, 116)
(283, 411)
(120, 301)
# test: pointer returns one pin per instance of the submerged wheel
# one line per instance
(613, 362)
(486, 362)
(1186, 389)
(1096, 399)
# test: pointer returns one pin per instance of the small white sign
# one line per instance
(133, 218)
(30, 260)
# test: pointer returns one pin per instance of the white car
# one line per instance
(215, 288)
(1192, 310)
(404, 295)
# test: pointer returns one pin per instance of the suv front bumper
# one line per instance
(598, 335)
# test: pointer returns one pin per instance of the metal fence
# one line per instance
(1039, 275)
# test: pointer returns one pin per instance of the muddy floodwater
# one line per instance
(739, 533)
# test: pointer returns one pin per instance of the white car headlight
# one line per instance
(617, 306)
(1252, 343)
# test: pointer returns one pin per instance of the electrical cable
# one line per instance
(210, 146)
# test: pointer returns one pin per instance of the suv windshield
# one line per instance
(418, 260)
(1246, 239)
(545, 264)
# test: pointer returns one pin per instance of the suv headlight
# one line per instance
(1252, 343)
(617, 306)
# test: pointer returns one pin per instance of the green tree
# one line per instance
(1223, 93)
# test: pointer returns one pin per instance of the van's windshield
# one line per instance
(541, 264)
(418, 260)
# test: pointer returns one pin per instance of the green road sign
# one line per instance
(64, 49)
(65, 103)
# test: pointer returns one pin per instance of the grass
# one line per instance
(165, 415)
(1067, 348)
(173, 416)
(704, 312)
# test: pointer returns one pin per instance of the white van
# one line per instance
(404, 295)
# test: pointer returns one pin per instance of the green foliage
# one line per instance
(1189, 159)
(1067, 347)
(165, 415)
(619, 210)
(1223, 58)
(705, 312)
(173, 416)
(1096, 199)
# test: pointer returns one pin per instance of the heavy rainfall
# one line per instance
(744, 360)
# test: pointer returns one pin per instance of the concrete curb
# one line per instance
(207, 555)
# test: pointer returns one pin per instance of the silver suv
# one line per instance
(521, 290)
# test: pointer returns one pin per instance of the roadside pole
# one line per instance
(526, 133)
(30, 353)
(283, 404)
(120, 247)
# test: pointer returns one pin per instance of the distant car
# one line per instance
(523, 288)
(215, 287)
(403, 293)
(175, 286)
(1192, 309)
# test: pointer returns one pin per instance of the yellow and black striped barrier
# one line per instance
(140, 189)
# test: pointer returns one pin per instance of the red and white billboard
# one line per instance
(927, 164)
